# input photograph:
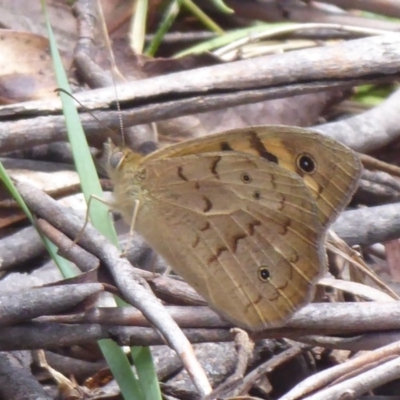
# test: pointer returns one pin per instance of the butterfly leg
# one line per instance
(131, 227)
(134, 216)
(79, 235)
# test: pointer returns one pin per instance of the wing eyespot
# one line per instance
(264, 274)
(306, 163)
(257, 195)
(246, 178)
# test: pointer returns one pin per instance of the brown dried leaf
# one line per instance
(26, 67)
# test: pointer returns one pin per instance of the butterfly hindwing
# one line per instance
(241, 230)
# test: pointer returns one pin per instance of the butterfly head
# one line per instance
(119, 160)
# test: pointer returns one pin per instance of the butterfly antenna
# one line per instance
(121, 122)
(114, 71)
(104, 125)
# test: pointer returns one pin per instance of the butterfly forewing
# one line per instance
(332, 181)
(241, 230)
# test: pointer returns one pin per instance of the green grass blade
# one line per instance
(222, 40)
(146, 372)
(119, 366)
(63, 265)
(115, 357)
(202, 16)
(138, 28)
(221, 6)
(99, 213)
(169, 17)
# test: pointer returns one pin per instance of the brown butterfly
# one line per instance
(241, 215)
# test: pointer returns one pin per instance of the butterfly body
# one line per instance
(236, 215)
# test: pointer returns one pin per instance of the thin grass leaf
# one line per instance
(130, 386)
(115, 357)
(264, 31)
(146, 371)
(138, 27)
(221, 6)
(169, 17)
(202, 16)
(222, 40)
(63, 265)
(99, 213)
